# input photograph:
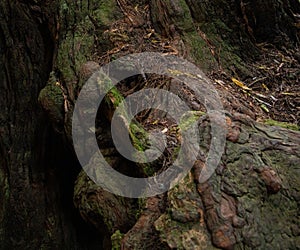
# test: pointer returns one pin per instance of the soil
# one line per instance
(270, 90)
(274, 87)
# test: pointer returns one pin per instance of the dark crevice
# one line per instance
(59, 166)
(61, 171)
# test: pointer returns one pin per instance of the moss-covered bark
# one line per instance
(252, 200)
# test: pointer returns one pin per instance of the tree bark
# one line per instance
(251, 202)
(23, 48)
(37, 169)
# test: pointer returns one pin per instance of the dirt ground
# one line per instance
(272, 91)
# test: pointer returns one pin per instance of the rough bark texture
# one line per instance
(37, 169)
(252, 200)
(24, 195)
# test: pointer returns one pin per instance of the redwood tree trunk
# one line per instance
(38, 168)
(36, 181)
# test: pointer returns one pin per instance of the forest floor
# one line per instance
(271, 93)
(274, 92)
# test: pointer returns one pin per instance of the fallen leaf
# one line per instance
(264, 108)
(240, 84)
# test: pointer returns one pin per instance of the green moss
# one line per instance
(243, 181)
(225, 53)
(116, 239)
(53, 93)
(282, 124)
(189, 119)
(181, 235)
(52, 100)
(185, 24)
(183, 18)
(213, 49)
(137, 133)
(114, 98)
(141, 206)
(139, 136)
(83, 25)
(199, 51)
(105, 13)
